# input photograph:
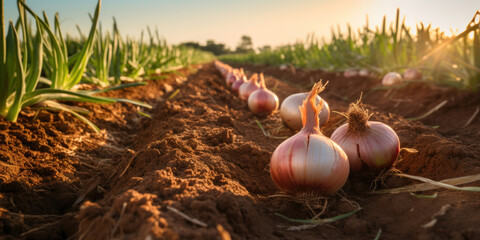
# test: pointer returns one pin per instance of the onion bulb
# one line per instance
(369, 143)
(364, 72)
(248, 87)
(239, 82)
(391, 78)
(412, 74)
(290, 111)
(350, 73)
(231, 77)
(237, 74)
(308, 161)
(262, 100)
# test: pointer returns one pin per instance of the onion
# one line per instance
(308, 161)
(350, 73)
(262, 100)
(239, 82)
(290, 111)
(391, 78)
(369, 143)
(235, 76)
(412, 74)
(248, 87)
(364, 72)
(229, 73)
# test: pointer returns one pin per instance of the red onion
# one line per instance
(364, 72)
(412, 74)
(239, 82)
(350, 73)
(237, 74)
(248, 87)
(290, 110)
(391, 78)
(262, 100)
(308, 161)
(369, 143)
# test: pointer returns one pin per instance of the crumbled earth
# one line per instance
(198, 168)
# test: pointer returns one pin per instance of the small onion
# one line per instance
(412, 74)
(364, 73)
(237, 75)
(248, 87)
(229, 73)
(239, 82)
(290, 111)
(369, 143)
(262, 100)
(391, 78)
(350, 73)
(308, 161)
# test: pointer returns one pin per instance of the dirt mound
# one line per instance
(199, 168)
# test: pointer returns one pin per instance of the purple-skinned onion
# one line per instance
(262, 100)
(412, 74)
(391, 78)
(308, 161)
(239, 82)
(290, 111)
(369, 144)
(248, 87)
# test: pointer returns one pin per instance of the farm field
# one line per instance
(112, 132)
(203, 154)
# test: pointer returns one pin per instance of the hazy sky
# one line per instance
(272, 22)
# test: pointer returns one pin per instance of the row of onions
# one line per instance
(309, 161)
(260, 100)
(391, 78)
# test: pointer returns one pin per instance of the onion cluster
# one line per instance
(260, 100)
(309, 161)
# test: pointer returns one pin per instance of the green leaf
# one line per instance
(15, 57)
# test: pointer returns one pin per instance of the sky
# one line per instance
(267, 22)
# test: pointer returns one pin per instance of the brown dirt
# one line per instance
(203, 154)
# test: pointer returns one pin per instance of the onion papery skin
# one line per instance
(246, 89)
(376, 147)
(412, 74)
(290, 112)
(231, 79)
(391, 78)
(309, 162)
(350, 73)
(237, 84)
(363, 73)
(228, 75)
(263, 101)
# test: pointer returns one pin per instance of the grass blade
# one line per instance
(319, 221)
(430, 184)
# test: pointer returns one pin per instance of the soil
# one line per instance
(203, 155)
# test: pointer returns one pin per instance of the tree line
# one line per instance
(245, 45)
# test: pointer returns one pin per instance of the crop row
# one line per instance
(453, 60)
(40, 67)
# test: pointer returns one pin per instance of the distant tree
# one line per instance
(245, 45)
(211, 46)
(192, 44)
(265, 48)
(215, 48)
